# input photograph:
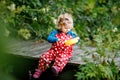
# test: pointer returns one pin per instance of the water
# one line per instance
(21, 67)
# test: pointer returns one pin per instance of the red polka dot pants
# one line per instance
(59, 53)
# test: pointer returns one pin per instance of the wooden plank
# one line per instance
(30, 49)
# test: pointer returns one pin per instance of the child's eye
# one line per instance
(61, 19)
(67, 19)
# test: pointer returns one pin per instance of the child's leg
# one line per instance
(44, 62)
(46, 59)
(61, 61)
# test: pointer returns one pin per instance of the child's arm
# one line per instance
(52, 38)
(72, 34)
(72, 41)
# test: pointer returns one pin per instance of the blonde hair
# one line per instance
(69, 23)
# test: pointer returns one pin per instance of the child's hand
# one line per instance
(77, 38)
(72, 41)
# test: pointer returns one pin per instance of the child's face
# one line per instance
(65, 23)
(64, 29)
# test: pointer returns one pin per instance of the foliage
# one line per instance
(38, 16)
(103, 66)
(98, 25)
(91, 71)
(25, 33)
(99, 16)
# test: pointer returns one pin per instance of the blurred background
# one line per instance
(97, 22)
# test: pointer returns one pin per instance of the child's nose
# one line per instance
(64, 23)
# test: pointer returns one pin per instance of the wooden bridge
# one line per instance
(30, 49)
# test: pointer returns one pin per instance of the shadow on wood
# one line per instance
(19, 67)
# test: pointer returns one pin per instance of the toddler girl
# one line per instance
(59, 52)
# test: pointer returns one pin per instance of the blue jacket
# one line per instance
(52, 38)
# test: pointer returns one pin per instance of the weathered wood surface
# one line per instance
(30, 49)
